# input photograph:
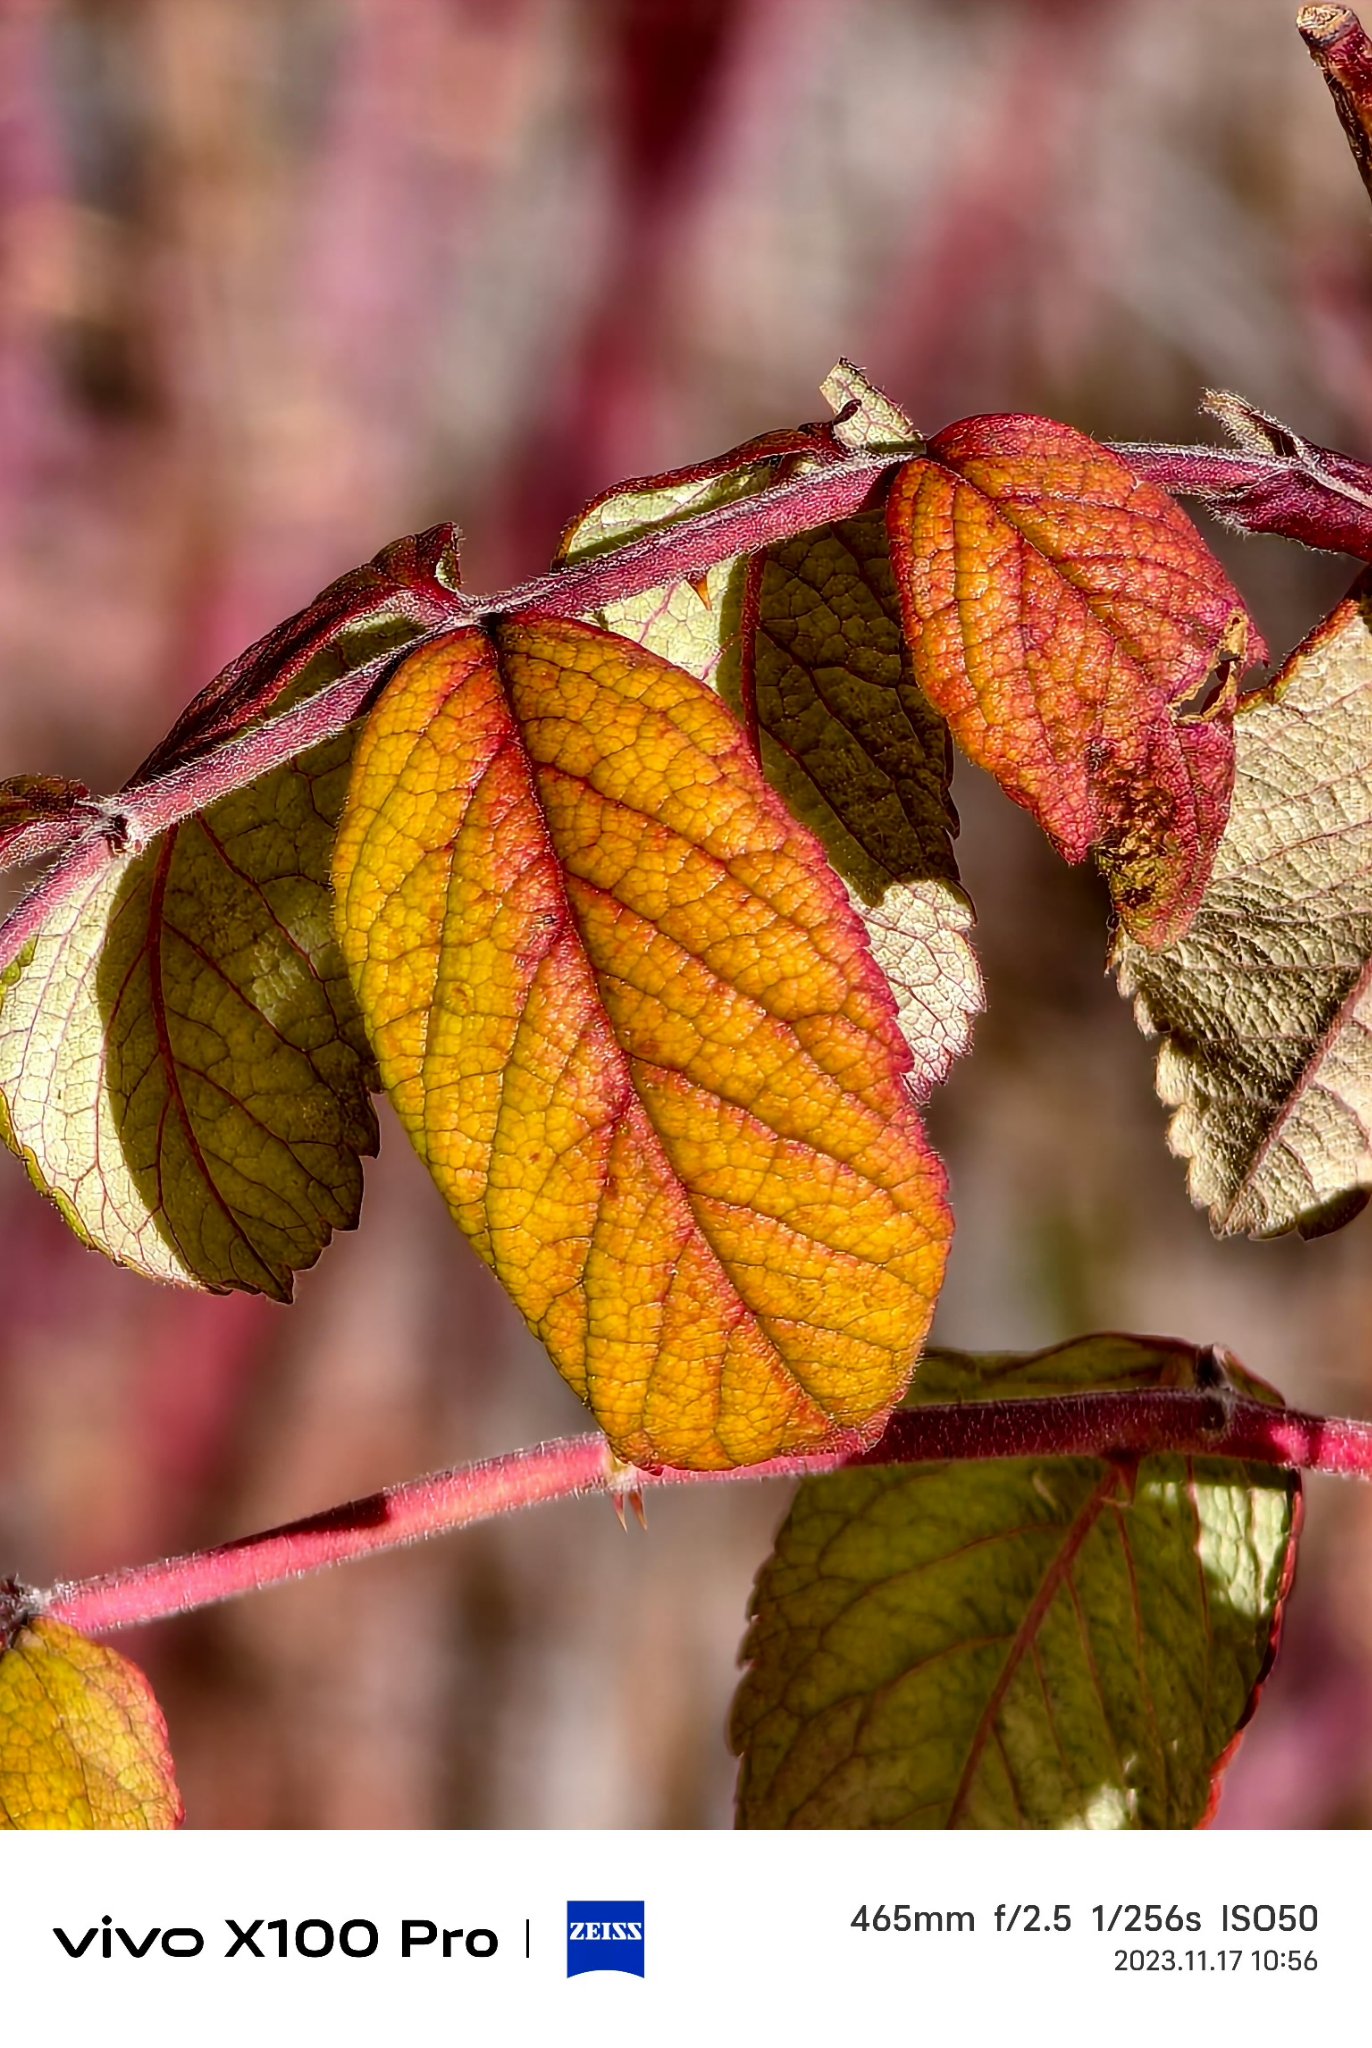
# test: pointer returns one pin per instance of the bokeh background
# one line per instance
(282, 279)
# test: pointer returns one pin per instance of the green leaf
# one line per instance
(182, 1066)
(860, 755)
(82, 1740)
(814, 652)
(1265, 1007)
(1041, 1643)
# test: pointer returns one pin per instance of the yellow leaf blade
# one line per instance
(83, 1743)
(847, 736)
(628, 1016)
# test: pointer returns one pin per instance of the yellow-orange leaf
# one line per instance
(1066, 618)
(629, 1017)
(804, 640)
(82, 1740)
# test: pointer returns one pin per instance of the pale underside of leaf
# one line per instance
(182, 1067)
(846, 735)
(1063, 1643)
(631, 510)
(876, 422)
(1265, 1008)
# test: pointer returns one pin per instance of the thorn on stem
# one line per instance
(1211, 1367)
(1213, 1377)
(114, 823)
(622, 1483)
(630, 1498)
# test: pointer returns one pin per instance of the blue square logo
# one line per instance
(605, 1934)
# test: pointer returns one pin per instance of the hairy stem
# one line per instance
(1206, 1423)
(684, 549)
(1272, 480)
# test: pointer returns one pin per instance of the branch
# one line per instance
(1205, 1423)
(671, 555)
(1272, 480)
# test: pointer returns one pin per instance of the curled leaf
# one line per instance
(411, 586)
(1024, 1643)
(1067, 619)
(692, 623)
(626, 1014)
(867, 416)
(1265, 1007)
(1272, 480)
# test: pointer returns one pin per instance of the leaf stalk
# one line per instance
(1206, 1422)
(793, 505)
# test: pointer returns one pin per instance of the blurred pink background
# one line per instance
(282, 279)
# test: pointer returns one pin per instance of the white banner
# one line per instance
(796, 1938)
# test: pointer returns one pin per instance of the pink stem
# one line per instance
(690, 546)
(561, 1470)
(1206, 1423)
(671, 555)
(1272, 481)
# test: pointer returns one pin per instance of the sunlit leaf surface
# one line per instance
(1045, 1643)
(627, 1015)
(1067, 619)
(82, 1740)
(812, 657)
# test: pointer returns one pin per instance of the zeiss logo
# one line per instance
(605, 1934)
